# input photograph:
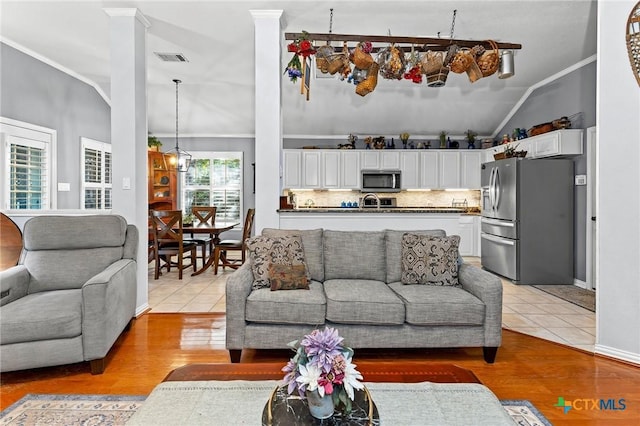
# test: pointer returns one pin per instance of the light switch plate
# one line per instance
(64, 187)
(581, 179)
(126, 183)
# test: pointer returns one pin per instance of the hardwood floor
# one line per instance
(526, 368)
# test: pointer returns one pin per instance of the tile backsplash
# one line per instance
(434, 198)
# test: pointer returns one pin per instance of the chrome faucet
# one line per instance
(375, 197)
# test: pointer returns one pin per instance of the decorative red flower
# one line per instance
(292, 47)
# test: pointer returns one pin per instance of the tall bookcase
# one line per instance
(162, 182)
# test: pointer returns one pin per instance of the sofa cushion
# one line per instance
(393, 247)
(287, 307)
(46, 315)
(362, 302)
(427, 259)
(312, 244)
(263, 251)
(354, 255)
(285, 277)
(437, 305)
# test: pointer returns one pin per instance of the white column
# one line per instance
(618, 189)
(268, 126)
(128, 32)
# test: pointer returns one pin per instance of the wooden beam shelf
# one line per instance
(420, 44)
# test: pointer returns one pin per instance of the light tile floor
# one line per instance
(525, 309)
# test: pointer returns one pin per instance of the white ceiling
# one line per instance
(217, 93)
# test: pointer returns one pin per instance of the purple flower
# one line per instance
(322, 346)
(292, 374)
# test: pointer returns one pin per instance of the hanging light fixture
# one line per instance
(182, 157)
(507, 68)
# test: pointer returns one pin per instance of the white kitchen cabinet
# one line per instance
(449, 169)
(330, 177)
(370, 159)
(429, 166)
(350, 174)
(311, 169)
(559, 143)
(470, 169)
(469, 236)
(410, 168)
(292, 169)
(390, 159)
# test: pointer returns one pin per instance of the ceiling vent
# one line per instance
(171, 57)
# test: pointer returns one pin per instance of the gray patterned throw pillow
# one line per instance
(431, 260)
(264, 251)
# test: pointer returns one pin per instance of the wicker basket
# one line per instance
(489, 61)
(439, 78)
(362, 59)
(432, 62)
(369, 84)
(633, 41)
(499, 156)
(461, 61)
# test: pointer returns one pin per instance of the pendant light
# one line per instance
(183, 158)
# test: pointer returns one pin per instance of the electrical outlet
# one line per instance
(581, 179)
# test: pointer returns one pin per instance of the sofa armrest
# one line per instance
(109, 301)
(238, 289)
(488, 288)
(14, 284)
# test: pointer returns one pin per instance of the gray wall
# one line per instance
(37, 93)
(568, 95)
(244, 145)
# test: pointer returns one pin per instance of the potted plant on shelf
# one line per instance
(153, 143)
(443, 140)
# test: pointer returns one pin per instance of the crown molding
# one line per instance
(127, 12)
(57, 66)
(539, 84)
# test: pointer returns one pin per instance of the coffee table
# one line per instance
(232, 394)
(404, 372)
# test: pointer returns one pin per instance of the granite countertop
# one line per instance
(457, 210)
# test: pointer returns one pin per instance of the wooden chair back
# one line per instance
(204, 215)
(166, 226)
(248, 224)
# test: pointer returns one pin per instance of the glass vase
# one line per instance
(320, 407)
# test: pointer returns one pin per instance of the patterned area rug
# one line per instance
(115, 410)
(573, 294)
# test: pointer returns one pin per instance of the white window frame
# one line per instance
(31, 135)
(211, 155)
(86, 143)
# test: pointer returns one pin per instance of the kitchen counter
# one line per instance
(372, 210)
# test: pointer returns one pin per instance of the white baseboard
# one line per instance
(142, 309)
(626, 356)
(581, 284)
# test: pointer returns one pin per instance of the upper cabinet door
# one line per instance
(331, 169)
(429, 170)
(370, 159)
(390, 159)
(311, 169)
(350, 169)
(292, 168)
(449, 163)
(410, 168)
(470, 169)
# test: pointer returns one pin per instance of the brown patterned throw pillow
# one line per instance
(427, 259)
(264, 251)
(285, 277)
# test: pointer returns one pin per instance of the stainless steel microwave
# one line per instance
(380, 181)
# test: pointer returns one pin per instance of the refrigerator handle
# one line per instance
(496, 184)
(495, 222)
(498, 240)
(492, 188)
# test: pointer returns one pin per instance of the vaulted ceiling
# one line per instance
(217, 93)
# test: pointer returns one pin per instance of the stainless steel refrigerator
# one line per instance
(527, 220)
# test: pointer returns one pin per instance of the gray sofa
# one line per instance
(355, 287)
(72, 293)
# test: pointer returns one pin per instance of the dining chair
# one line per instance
(168, 241)
(224, 246)
(203, 215)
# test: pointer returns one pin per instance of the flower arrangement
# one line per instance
(324, 364)
(299, 47)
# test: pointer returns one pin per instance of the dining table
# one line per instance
(214, 231)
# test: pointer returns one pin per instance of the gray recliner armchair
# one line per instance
(72, 293)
